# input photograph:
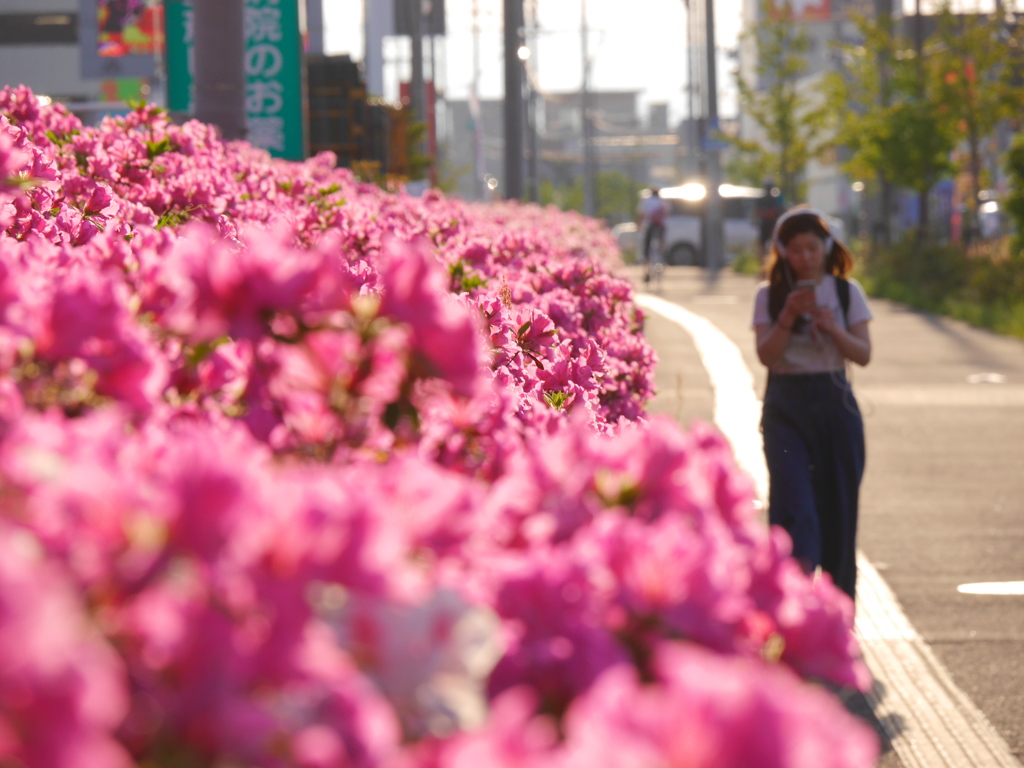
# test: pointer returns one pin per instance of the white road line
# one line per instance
(993, 588)
(737, 410)
(930, 722)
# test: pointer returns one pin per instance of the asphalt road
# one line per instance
(943, 497)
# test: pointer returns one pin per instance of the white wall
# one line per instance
(47, 69)
(53, 69)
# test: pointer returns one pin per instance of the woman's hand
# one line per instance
(824, 320)
(800, 301)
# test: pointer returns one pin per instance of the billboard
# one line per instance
(273, 72)
(180, 62)
(118, 38)
(127, 27)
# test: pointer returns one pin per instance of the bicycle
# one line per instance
(654, 258)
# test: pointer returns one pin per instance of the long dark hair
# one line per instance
(781, 280)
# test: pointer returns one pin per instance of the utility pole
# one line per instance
(479, 160)
(881, 229)
(379, 21)
(586, 115)
(922, 198)
(696, 85)
(430, 98)
(220, 65)
(713, 243)
(690, 80)
(531, 106)
(417, 91)
(513, 25)
(315, 26)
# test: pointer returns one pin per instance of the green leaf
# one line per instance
(156, 148)
(556, 399)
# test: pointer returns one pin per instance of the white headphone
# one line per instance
(828, 241)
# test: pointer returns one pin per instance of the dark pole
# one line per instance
(691, 82)
(697, 102)
(479, 162)
(881, 230)
(922, 198)
(713, 245)
(315, 26)
(586, 114)
(531, 107)
(417, 91)
(513, 100)
(220, 65)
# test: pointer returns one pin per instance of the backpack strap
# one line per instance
(843, 289)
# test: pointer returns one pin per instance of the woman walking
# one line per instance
(810, 319)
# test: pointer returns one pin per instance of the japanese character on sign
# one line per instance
(264, 97)
(263, 59)
(263, 25)
(267, 132)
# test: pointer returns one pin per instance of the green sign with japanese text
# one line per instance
(273, 72)
(179, 61)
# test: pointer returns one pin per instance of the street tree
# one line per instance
(976, 86)
(791, 117)
(890, 116)
(616, 196)
(1014, 202)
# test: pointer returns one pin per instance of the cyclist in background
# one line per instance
(652, 212)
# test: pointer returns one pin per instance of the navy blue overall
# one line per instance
(814, 447)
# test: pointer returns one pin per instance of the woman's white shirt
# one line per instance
(809, 351)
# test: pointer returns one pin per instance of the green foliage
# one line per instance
(419, 161)
(326, 198)
(450, 173)
(902, 115)
(889, 111)
(463, 279)
(976, 69)
(64, 138)
(981, 287)
(616, 196)
(749, 166)
(747, 262)
(175, 217)
(791, 118)
(141, 105)
(556, 399)
(1014, 202)
(156, 148)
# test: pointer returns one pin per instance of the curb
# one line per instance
(928, 720)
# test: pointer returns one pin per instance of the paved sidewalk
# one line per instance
(917, 702)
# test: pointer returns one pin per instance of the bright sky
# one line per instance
(635, 44)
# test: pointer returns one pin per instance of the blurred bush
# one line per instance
(982, 285)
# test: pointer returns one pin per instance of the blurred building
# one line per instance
(368, 134)
(53, 47)
(469, 167)
(642, 147)
(39, 48)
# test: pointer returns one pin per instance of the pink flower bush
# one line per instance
(300, 472)
(62, 687)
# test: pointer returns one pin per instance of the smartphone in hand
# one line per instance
(806, 285)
